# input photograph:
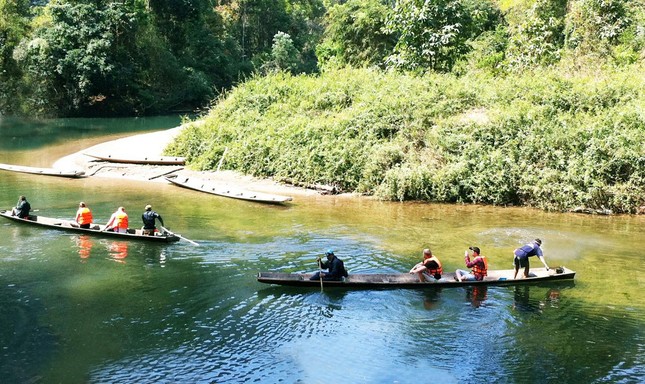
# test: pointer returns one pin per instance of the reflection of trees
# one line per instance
(26, 344)
(562, 341)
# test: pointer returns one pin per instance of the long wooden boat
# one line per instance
(95, 229)
(225, 191)
(145, 160)
(408, 281)
(42, 171)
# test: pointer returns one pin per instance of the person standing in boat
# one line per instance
(521, 256)
(22, 208)
(429, 269)
(479, 266)
(335, 266)
(148, 218)
(118, 221)
(83, 216)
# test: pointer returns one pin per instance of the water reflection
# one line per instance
(84, 244)
(476, 295)
(118, 251)
(431, 298)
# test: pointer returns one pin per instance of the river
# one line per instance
(76, 309)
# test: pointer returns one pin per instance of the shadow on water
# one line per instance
(21, 334)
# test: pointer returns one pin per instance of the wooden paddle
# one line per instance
(320, 274)
(179, 236)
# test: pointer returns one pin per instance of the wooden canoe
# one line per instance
(408, 281)
(42, 171)
(95, 229)
(144, 160)
(225, 191)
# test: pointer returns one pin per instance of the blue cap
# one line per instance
(329, 252)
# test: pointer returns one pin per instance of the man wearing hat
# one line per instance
(148, 218)
(334, 264)
(479, 266)
(522, 254)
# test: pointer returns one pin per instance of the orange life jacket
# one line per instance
(121, 220)
(434, 270)
(84, 216)
(478, 271)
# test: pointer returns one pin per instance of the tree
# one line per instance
(284, 56)
(14, 25)
(431, 33)
(355, 34)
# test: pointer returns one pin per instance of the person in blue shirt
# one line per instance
(522, 254)
(334, 264)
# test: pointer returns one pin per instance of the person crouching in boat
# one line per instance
(83, 216)
(22, 208)
(429, 269)
(479, 266)
(335, 266)
(148, 218)
(522, 254)
(118, 221)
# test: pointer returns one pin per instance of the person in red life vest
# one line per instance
(429, 269)
(479, 266)
(118, 221)
(521, 256)
(83, 215)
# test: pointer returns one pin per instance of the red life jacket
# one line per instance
(478, 271)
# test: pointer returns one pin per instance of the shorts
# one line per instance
(466, 276)
(431, 278)
(521, 262)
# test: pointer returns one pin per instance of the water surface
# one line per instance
(78, 309)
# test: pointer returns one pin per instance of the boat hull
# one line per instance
(96, 230)
(143, 160)
(42, 171)
(223, 191)
(408, 281)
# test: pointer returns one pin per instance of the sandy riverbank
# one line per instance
(152, 145)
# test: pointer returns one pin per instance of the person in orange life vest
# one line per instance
(479, 267)
(429, 268)
(118, 221)
(83, 215)
(521, 256)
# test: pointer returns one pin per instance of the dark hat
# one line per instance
(538, 241)
(475, 249)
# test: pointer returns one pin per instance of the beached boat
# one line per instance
(42, 171)
(406, 280)
(134, 159)
(226, 191)
(95, 229)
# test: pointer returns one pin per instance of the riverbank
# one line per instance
(152, 145)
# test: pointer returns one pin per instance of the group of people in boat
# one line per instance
(118, 221)
(430, 268)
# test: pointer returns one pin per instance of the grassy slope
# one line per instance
(544, 139)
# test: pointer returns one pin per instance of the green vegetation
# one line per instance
(540, 139)
(532, 102)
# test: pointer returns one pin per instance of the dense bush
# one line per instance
(545, 139)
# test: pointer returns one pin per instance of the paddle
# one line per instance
(179, 236)
(320, 274)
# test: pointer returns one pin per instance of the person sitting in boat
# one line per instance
(148, 218)
(429, 269)
(83, 216)
(479, 266)
(22, 208)
(118, 221)
(335, 265)
(521, 256)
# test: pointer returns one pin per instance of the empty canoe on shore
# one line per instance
(225, 191)
(146, 160)
(42, 171)
(408, 281)
(95, 230)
